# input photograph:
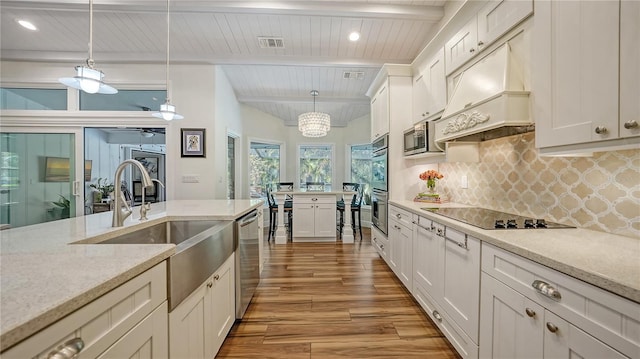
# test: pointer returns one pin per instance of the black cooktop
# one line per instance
(490, 219)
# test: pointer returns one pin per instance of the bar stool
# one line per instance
(273, 214)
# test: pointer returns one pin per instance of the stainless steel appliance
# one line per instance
(420, 139)
(490, 219)
(379, 209)
(247, 260)
(379, 185)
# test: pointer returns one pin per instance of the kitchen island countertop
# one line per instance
(605, 260)
(43, 277)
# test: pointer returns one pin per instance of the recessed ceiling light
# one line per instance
(354, 36)
(27, 25)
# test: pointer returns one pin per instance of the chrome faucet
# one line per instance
(121, 210)
(146, 207)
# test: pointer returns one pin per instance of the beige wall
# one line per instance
(600, 192)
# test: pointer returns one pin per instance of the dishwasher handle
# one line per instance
(248, 219)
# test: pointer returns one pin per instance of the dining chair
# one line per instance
(356, 205)
(315, 186)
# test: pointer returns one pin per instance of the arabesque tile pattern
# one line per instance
(600, 192)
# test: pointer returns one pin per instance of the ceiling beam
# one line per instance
(310, 8)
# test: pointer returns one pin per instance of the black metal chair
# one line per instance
(356, 205)
(273, 214)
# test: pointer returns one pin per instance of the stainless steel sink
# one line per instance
(201, 248)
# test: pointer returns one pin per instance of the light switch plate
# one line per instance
(464, 182)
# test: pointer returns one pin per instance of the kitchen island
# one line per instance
(314, 216)
(45, 277)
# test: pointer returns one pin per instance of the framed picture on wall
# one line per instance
(193, 142)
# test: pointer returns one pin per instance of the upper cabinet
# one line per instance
(491, 22)
(586, 75)
(380, 112)
(430, 88)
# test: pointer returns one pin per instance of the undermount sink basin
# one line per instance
(201, 248)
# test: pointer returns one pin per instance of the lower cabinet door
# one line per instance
(222, 304)
(187, 325)
(511, 325)
(303, 219)
(148, 339)
(325, 220)
(564, 340)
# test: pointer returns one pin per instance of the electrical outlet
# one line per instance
(464, 182)
(190, 179)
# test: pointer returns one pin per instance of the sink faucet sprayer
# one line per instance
(145, 207)
(120, 213)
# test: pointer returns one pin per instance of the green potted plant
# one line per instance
(103, 188)
(65, 205)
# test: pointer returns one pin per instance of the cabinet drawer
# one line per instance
(401, 216)
(314, 198)
(380, 242)
(604, 315)
(102, 322)
(460, 341)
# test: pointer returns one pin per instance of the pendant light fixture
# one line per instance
(89, 79)
(167, 110)
(314, 124)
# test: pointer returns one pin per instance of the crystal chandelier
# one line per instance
(314, 124)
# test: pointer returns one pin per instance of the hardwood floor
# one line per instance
(332, 301)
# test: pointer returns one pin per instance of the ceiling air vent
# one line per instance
(353, 75)
(271, 42)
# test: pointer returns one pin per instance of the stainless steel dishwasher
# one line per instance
(247, 260)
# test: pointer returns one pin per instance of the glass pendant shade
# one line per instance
(167, 112)
(314, 124)
(88, 80)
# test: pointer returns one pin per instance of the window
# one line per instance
(264, 168)
(33, 99)
(315, 165)
(124, 100)
(360, 169)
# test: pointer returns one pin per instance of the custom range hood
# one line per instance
(488, 102)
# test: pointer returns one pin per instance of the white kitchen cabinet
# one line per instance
(401, 245)
(429, 91)
(380, 112)
(495, 19)
(129, 319)
(511, 325)
(380, 243)
(426, 255)
(579, 79)
(199, 325)
(314, 215)
(591, 322)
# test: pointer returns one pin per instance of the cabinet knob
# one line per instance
(631, 124)
(437, 316)
(530, 312)
(480, 43)
(382, 247)
(210, 284)
(472, 50)
(552, 327)
(601, 130)
(68, 350)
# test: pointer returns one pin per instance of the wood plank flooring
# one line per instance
(332, 301)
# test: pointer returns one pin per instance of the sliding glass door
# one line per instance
(39, 177)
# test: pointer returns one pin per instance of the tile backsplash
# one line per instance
(600, 192)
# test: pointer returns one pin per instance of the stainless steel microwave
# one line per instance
(420, 139)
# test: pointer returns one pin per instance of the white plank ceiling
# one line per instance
(316, 49)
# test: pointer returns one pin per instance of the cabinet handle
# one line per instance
(398, 215)
(480, 43)
(530, 312)
(459, 244)
(423, 227)
(472, 50)
(216, 277)
(631, 124)
(210, 284)
(68, 350)
(382, 247)
(437, 316)
(314, 199)
(546, 289)
(601, 130)
(440, 232)
(552, 327)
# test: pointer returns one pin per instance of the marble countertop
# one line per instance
(44, 277)
(608, 261)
